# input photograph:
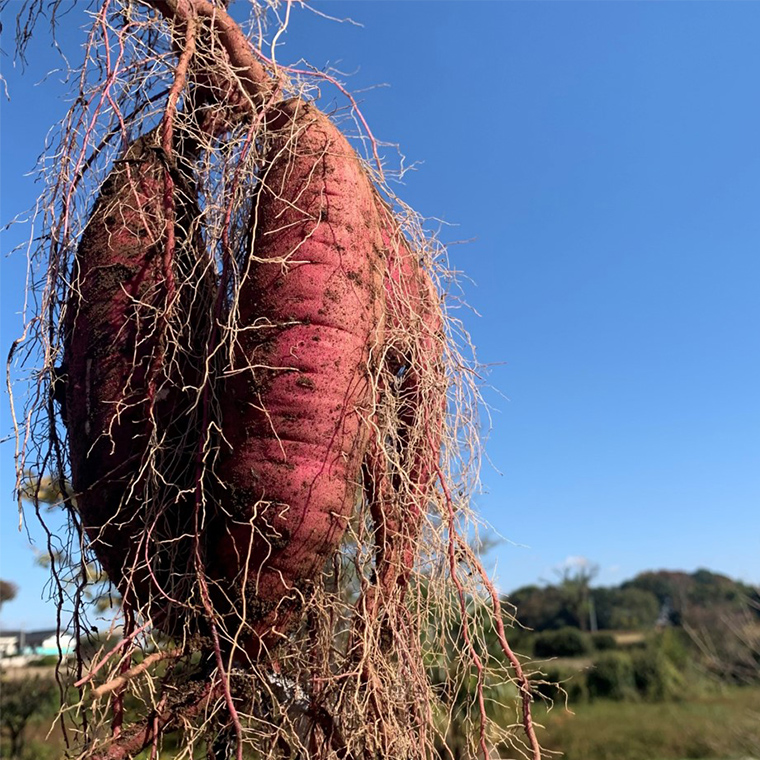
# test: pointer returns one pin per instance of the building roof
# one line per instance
(32, 638)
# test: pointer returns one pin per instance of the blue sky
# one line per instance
(604, 161)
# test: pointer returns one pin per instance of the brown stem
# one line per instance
(251, 75)
(166, 717)
(129, 674)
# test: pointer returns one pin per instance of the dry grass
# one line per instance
(629, 638)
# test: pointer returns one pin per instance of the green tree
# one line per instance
(634, 609)
(627, 608)
(565, 604)
(605, 600)
(20, 702)
(8, 591)
(575, 584)
(686, 594)
(543, 609)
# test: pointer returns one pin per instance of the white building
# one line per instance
(36, 643)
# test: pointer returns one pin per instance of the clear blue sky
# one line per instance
(605, 158)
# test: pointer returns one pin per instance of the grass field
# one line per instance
(723, 725)
(720, 725)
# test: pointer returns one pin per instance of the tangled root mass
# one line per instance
(253, 400)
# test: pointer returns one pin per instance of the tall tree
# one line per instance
(8, 591)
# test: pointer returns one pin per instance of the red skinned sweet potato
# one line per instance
(295, 406)
(400, 484)
(130, 370)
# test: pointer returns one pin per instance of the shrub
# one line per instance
(560, 684)
(611, 677)
(21, 702)
(675, 644)
(603, 642)
(655, 676)
(566, 642)
(521, 640)
(45, 661)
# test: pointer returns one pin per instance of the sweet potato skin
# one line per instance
(295, 407)
(123, 395)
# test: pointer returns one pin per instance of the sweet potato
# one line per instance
(400, 484)
(129, 370)
(326, 265)
(295, 404)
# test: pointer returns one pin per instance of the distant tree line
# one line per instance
(663, 597)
